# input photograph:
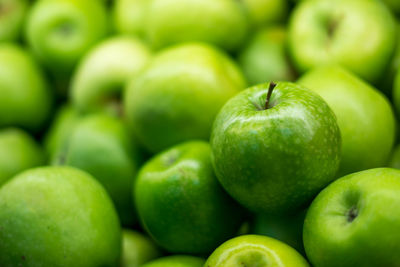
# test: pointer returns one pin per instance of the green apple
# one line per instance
(222, 23)
(180, 202)
(100, 145)
(368, 134)
(137, 249)
(264, 58)
(274, 148)
(287, 228)
(129, 17)
(340, 31)
(12, 16)
(255, 250)
(18, 152)
(60, 32)
(266, 12)
(394, 161)
(57, 216)
(179, 94)
(60, 130)
(104, 71)
(355, 221)
(25, 98)
(176, 261)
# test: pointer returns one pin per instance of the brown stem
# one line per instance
(271, 88)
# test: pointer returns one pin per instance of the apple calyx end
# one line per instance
(271, 88)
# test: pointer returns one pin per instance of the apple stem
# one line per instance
(271, 88)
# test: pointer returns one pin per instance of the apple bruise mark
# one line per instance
(271, 88)
(352, 214)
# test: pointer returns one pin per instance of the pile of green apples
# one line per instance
(199, 133)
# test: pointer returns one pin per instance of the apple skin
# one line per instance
(180, 202)
(355, 221)
(129, 17)
(172, 22)
(12, 15)
(19, 152)
(60, 32)
(104, 71)
(394, 161)
(137, 249)
(179, 94)
(266, 12)
(25, 97)
(339, 32)
(100, 145)
(275, 160)
(288, 228)
(365, 117)
(57, 216)
(255, 250)
(60, 129)
(264, 58)
(176, 261)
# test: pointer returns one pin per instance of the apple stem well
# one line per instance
(271, 88)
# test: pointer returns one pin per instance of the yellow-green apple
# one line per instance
(364, 115)
(18, 152)
(359, 35)
(255, 250)
(178, 94)
(100, 145)
(57, 216)
(25, 99)
(102, 74)
(264, 58)
(222, 23)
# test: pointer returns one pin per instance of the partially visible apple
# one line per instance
(103, 73)
(359, 35)
(222, 23)
(255, 250)
(100, 145)
(25, 99)
(266, 12)
(394, 161)
(364, 115)
(18, 152)
(60, 32)
(355, 221)
(176, 261)
(275, 148)
(137, 249)
(57, 216)
(60, 129)
(12, 16)
(287, 228)
(177, 96)
(180, 202)
(129, 17)
(264, 58)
